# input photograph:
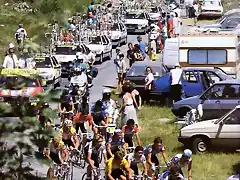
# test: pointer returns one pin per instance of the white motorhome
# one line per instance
(218, 50)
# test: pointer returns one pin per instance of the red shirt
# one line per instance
(79, 118)
(128, 131)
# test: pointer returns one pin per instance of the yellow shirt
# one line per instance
(113, 166)
(69, 134)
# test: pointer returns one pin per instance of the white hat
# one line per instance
(11, 46)
(106, 90)
(177, 65)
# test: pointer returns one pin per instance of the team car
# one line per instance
(154, 13)
(137, 22)
(19, 87)
(119, 34)
(101, 46)
(49, 69)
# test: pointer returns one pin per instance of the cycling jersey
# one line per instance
(176, 161)
(55, 149)
(69, 134)
(153, 151)
(135, 159)
(129, 132)
(116, 145)
(111, 165)
(234, 177)
(94, 151)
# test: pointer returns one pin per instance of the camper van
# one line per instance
(206, 50)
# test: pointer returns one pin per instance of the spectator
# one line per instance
(141, 46)
(10, 60)
(128, 111)
(130, 54)
(137, 53)
(176, 85)
(148, 84)
(121, 69)
(176, 25)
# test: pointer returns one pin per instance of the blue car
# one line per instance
(217, 100)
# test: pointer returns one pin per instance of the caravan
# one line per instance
(205, 50)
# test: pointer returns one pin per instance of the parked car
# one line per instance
(217, 100)
(212, 8)
(119, 34)
(223, 132)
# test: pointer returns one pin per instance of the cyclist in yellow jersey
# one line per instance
(118, 168)
(69, 135)
(57, 152)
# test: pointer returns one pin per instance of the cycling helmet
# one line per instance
(187, 152)
(68, 123)
(117, 131)
(106, 91)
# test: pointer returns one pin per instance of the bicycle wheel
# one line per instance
(84, 177)
(69, 174)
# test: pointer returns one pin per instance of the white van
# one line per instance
(171, 53)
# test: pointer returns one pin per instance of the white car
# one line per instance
(137, 22)
(212, 8)
(154, 13)
(223, 132)
(101, 46)
(65, 52)
(49, 69)
(119, 34)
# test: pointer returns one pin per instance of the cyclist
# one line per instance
(43, 120)
(93, 152)
(137, 158)
(151, 152)
(66, 102)
(116, 143)
(129, 130)
(69, 135)
(57, 152)
(118, 168)
(180, 160)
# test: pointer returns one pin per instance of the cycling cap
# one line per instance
(68, 123)
(118, 131)
(106, 91)
(187, 152)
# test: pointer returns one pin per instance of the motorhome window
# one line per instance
(189, 77)
(207, 56)
(233, 118)
(65, 51)
(95, 40)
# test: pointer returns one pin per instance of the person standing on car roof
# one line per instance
(176, 85)
(142, 46)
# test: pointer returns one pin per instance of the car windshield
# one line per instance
(115, 27)
(65, 51)
(153, 10)
(95, 40)
(140, 71)
(230, 23)
(233, 115)
(43, 63)
(17, 82)
(134, 16)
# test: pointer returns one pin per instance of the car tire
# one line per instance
(200, 145)
(101, 59)
(125, 41)
(183, 111)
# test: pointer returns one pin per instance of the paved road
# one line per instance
(106, 77)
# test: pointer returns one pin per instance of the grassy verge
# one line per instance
(207, 166)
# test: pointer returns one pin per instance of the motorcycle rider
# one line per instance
(20, 34)
(79, 77)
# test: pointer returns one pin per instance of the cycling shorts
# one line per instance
(68, 142)
(55, 157)
(116, 173)
(67, 106)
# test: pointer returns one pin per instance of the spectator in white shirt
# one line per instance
(90, 57)
(176, 25)
(10, 60)
(176, 85)
(148, 84)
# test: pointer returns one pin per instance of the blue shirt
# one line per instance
(142, 48)
(90, 8)
(150, 149)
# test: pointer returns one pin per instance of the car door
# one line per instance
(228, 134)
(109, 44)
(124, 30)
(210, 101)
(105, 45)
(230, 98)
(191, 83)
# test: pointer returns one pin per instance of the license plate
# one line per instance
(15, 93)
(33, 104)
(44, 82)
(111, 129)
(139, 27)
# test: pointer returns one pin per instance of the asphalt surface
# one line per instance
(106, 78)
